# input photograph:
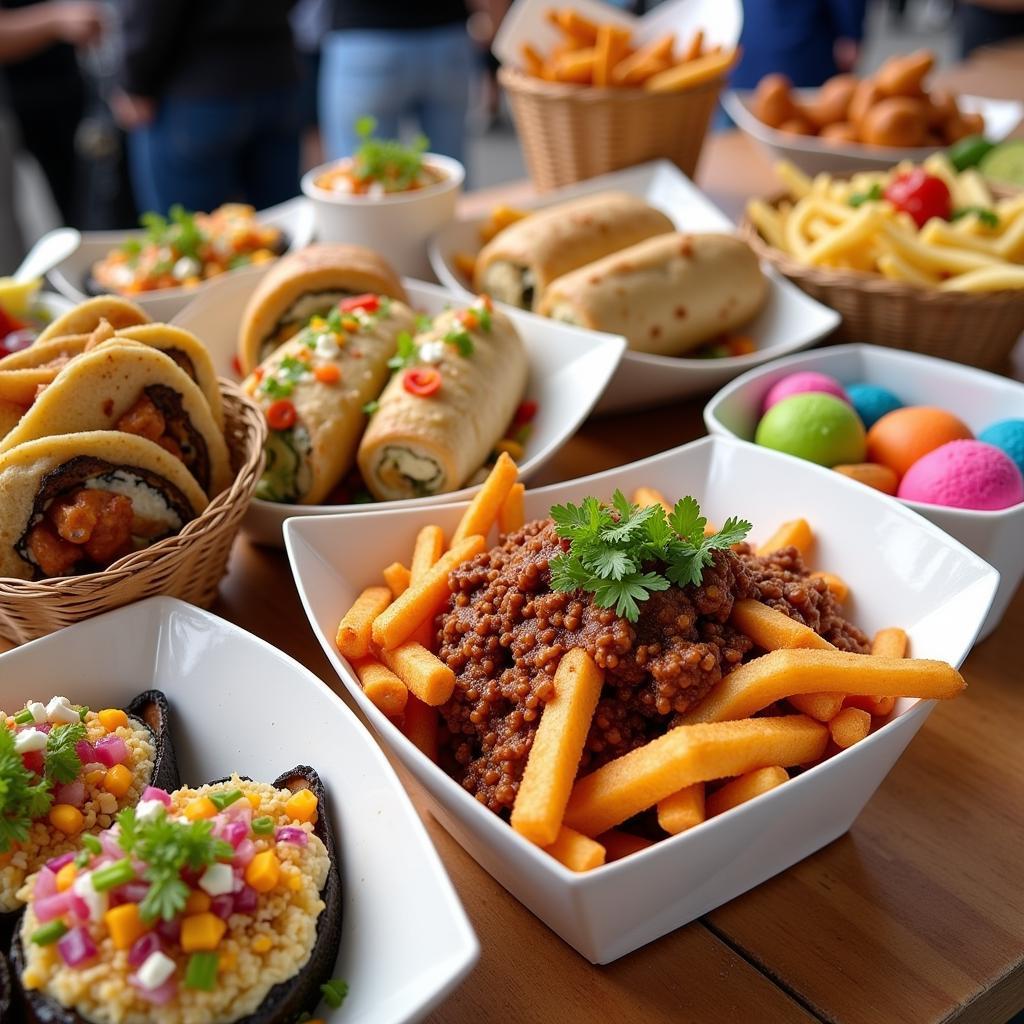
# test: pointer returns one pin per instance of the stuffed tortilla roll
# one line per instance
(306, 283)
(23, 373)
(76, 504)
(517, 266)
(87, 316)
(440, 417)
(666, 295)
(136, 389)
(313, 390)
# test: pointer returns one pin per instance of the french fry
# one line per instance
(427, 550)
(849, 235)
(939, 259)
(896, 268)
(424, 674)
(612, 46)
(692, 73)
(768, 221)
(836, 585)
(940, 232)
(784, 674)
(574, 25)
(683, 756)
(822, 707)
(577, 66)
(682, 809)
(773, 630)
(890, 643)
(533, 62)
(795, 533)
(695, 47)
(419, 724)
(382, 686)
(396, 576)
(512, 515)
(986, 279)
(798, 183)
(355, 628)
(577, 852)
(618, 844)
(648, 60)
(557, 747)
(424, 598)
(850, 726)
(745, 787)
(482, 512)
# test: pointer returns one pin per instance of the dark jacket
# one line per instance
(396, 14)
(207, 48)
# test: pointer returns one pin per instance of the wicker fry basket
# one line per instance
(188, 565)
(573, 132)
(976, 328)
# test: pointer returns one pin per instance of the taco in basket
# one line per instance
(23, 373)
(130, 387)
(76, 504)
(87, 316)
(304, 284)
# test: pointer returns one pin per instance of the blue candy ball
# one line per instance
(1009, 436)
(872, 402)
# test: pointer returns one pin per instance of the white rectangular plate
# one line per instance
(240, 705)
(791, 320)
(901, 571)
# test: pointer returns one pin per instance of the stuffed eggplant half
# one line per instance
(66, 772)
(219, 904)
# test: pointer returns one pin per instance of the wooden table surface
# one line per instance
(916, 915)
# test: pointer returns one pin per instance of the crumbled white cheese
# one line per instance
(217, 879)
(156, 969)
(187, 266)
(147, 810)
(432, 351)
(60, 712)
(28, 741)
(96, 901)
(38, 712)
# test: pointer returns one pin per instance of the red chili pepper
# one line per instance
(422, 381)
(369, 302)
(525, 413)
(920, 194)
(236, 365)
(281, 414)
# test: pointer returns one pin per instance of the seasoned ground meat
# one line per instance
(503, 634)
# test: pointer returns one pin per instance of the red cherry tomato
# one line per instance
(422, 381)
(281, 414)
(525, 413)
(369, 302)
(920, 194)
(33, 761)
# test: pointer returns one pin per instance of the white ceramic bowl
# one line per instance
(791, 319)
(397, 226)
(978, 398)
(240, 705)
(813, 155)
(901, 570)
(569, 369)
(294, 218)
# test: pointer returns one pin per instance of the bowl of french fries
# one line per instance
(611, 824)
(593, 90)
(919, 257)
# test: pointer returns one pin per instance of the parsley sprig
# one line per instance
(61, 761)
(387, 161)
(22, 800)
(406, 353)
(167, 847)
(178, 230)
(624, 553)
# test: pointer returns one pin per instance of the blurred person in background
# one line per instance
(809, 41)
(24, 32)
(396, 59)
(209, 92)
(986, 22)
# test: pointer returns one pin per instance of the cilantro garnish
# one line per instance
(21, 799)
(178, 230)
(334, 320)
(484, 316)
(274, 388)
(624, 553)
(281, 383)
(406, 354)
(459, 337)
(387, 161)
(334, 992)
(423, 322)
(62, 763)
(860, 198)
(987, 217)
(371, 407)
(167, 847)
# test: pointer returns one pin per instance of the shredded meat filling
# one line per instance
(504, 632)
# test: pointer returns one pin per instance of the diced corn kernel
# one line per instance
(301, 805)
(66, 876)
(117, 780)
(67, 819)
(94, 778)
(125, 925)
(201, 932)
(200, 808)
(254, 799)
(263, 871)
(112, 718)
(261, 944)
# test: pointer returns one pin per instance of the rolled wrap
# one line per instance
(307, 282)
(416, 446)
(666, 295)
(517, 265)
(306, 460)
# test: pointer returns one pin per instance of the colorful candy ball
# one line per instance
(872, 402)
(901, 437)
(807, 381)
(964, 474)
(871, 474)
(814, 426)
(1009, 436)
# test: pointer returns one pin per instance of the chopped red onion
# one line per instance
(85, 752)
(223, 906)
(76, 947)
(50, 907)
(234, 832)
(291, 834)
(46, 880)
(246, 900)
(78, 908)
(54, 864)
(143, 947)
(111, 750)
(156, 793)
(70, 793)
(169, 931)
(244, 852)
(157, 996)
(130, 892)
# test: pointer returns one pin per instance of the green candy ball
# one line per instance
(816, 427)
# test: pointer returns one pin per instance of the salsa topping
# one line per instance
(422, 381)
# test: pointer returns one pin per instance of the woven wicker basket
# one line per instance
(976, 328)
(188, 565)
(573, 132)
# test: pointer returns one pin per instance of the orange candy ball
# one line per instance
(871, 474)
(901, 437)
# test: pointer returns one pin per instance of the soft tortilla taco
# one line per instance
(304, 284)
(86, 317)
(136, 389)
(22, 373)
(76, 504)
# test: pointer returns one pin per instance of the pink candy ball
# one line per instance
(964, 474)
(801, 383)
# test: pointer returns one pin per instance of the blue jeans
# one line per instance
(391, 74)
(204, 152)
